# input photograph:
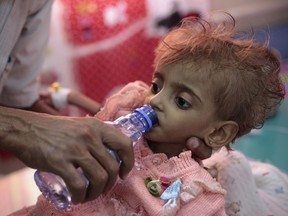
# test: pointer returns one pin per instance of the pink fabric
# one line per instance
(253, 188)
(131, 197)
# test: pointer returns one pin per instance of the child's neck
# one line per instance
(169, 149)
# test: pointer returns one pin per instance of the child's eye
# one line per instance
(155, 88)
(182, 103)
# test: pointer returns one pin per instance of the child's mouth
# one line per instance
(156, 125)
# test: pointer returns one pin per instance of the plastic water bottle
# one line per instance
(134, 125)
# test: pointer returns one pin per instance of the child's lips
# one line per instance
(155, 125)
(158, 121)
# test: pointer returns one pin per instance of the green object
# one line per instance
(270, 143)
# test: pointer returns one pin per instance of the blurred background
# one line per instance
(97, 46)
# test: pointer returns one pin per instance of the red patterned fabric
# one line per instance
(129, 60)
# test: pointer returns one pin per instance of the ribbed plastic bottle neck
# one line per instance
(147, 116)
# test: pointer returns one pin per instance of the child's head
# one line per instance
(223, 85)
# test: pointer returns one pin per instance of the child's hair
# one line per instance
(241, 74)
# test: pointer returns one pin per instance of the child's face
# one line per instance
(183, 105)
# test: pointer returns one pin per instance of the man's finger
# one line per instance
(199, 148)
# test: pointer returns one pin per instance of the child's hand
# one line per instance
(80, 100)
(121, 103)
(44, 105)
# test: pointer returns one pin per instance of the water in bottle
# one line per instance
(134, 125)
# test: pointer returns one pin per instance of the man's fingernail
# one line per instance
(194, 142)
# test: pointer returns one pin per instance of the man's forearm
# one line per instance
(12, 127)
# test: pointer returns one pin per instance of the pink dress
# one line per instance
(200, 194)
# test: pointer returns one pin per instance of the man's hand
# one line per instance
(62, 144)
(200, 150)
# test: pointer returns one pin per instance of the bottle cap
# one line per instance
(149, 114)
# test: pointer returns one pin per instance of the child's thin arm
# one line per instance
(60, 97)
(80, 100)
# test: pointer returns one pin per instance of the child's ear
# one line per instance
(223, 134)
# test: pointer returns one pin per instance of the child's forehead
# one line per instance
(192, 74)
(186, 68)
(177, 73)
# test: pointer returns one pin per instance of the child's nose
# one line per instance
(156, 102)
